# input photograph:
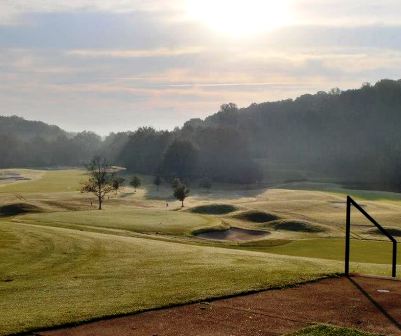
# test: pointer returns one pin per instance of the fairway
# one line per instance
(74, 271)
(362, 251)
(46, 181)
(131, 219)
(138, 254)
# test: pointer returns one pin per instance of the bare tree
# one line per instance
(102, 179)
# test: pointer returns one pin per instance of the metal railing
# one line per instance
(351, 202)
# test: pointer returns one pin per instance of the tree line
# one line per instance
(351, 136)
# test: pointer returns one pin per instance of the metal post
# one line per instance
(347, 236)
(350, 203)
(394, 270)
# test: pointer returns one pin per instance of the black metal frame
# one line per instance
(351, 202)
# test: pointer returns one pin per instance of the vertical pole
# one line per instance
(394, 271)
(347, 236)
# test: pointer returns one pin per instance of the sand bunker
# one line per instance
(233, 234)
(9, 177)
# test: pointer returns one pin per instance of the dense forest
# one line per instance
(351, 136)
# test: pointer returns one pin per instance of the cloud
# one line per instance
(161, 52)
(13, 11)
(115, 65)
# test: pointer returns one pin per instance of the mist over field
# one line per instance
(200, 167)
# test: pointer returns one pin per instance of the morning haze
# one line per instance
(200, 168)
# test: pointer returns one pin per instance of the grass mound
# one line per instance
(329, 331)
(18, 209)
(256, 216)
(214, 209)
(296, 225)
(393, 231)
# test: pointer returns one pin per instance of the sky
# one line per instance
(115, 65)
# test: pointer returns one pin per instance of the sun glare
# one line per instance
(240, 17)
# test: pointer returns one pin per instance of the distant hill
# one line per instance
(26, 143)
(27, 129)
(352, 136)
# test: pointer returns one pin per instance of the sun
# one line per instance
(240, 17)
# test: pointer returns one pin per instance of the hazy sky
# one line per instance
(109, 65)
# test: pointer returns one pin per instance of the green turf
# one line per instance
(61, 267)
(131, 219)
(295, 225)
(18, 209)
(50, 276)
(329, 331)
(256, 216)
(371, 195)
(50, 181)
(214, 209)
(362, 251)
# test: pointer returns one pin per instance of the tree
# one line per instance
(180, 160)
(135, 182)
(102, 179)
(118, 182)
(157, 182)
(176, 182)
(181, 192)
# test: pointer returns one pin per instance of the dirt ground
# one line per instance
(364, 303)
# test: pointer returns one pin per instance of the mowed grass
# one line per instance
(330, 331)
(68, 266)
(126, 218)
(51, 276)
(362, 251)
(49, 181)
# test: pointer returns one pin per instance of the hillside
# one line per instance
(352, 136)
(28, 129)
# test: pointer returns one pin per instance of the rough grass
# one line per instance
(214, 209)
(256, 216)
(52, 276)
(18, 209)
(322, 330)
(296, 226)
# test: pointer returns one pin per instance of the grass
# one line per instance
(52, 276)
(256, 216)
(295, 225)
(371, 195)
(131, 219)
(322, 330)
(18, 209)
(62, 266)
(49, 181)
(362, 251)
(214, 209)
